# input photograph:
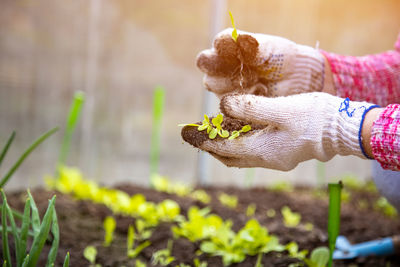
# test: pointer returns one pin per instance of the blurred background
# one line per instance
(118, 51)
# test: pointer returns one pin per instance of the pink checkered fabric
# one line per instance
(376, 79)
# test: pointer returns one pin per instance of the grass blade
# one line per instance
(40, 239)
(26, 221)
(334, 216)
(6, 147)
(73, 118)
(66, 260)
(13, 228)
(25, 154)
(51, 258)
(158, 108)
(4, 234)
(35, 215)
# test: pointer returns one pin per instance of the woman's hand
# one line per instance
(262, 64)
(296, 128)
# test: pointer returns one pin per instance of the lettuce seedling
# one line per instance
(90, 253)
(198, 263)
(201, 196)
(229, 201)
(290, 219)
(234, 32)
(293, 250)
(385, 207)
(130, 240)
(217, 123)
(163, 256)
(251, 210)
(109, 228)
(319, 257)
(236, 134)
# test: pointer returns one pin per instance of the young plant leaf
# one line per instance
(6, 147)
(26, 221)
(290, 218)
(51, 258)
(334, 216)
(234, 32)
(109, 227)
(213, 133)
(6, 177)
(90, 253)
(4, 234)
(73, 117)
(35, 215)
(40, 239)
(245, 128)
(66, 260)
(14, 229)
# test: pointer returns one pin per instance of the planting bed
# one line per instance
(81, 224)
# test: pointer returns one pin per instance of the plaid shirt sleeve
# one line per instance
(376, 79)
(372, 78)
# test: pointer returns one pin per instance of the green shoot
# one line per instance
(66, 260)
(293, 250)
(334, 216)
(385, 207)
(4, 234)
(158, 108)
(198, 263)
(234, 32)
(217, 123)
(6, 177)
(134, 252)
(229, 201)
(290, 218)
(6, 147)
(109, 225)
(271, 213)
(73, 118)
(138, 263)
(201, 196)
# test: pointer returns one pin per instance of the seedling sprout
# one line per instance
(109, 228)
(334, 216)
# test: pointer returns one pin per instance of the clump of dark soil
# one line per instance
(196, 138)
(237, 60)
(80, 225)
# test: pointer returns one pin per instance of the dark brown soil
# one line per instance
(194, 137)
(81, 225)
(237, 60)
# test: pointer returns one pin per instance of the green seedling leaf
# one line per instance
(234, 135)
(51, 258)
(216, 121)
(66, 260)
(138, 263)
(90, 253)
(271, 213)
(130, 240)
(213, 133)
(73, 118)
(198, 263)
(6, 147)
(4, 233)
(188, 124)
(290, 219)
(6, 177)
(133, 253)
(109, 225)
(245, 128)
(234, 32)
(35, 215)
(14, 229)
(320, 257)
(229, 201)
(26, 221)
(293, 250)
(26, 260)
(40, 239)
(201, 196)
(223, 133)
(334, 216)
(251, 210)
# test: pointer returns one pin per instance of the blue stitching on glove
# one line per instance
(345, 105)
(359, 130)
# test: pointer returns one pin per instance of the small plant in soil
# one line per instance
(215, 128)
(90, 253)
(109, 228)
(290, 218)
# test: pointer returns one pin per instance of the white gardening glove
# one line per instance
(297, 128)
(260, 64)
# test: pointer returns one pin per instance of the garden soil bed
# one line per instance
(81, 224)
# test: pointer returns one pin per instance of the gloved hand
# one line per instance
(261, 64)
(297, 128)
